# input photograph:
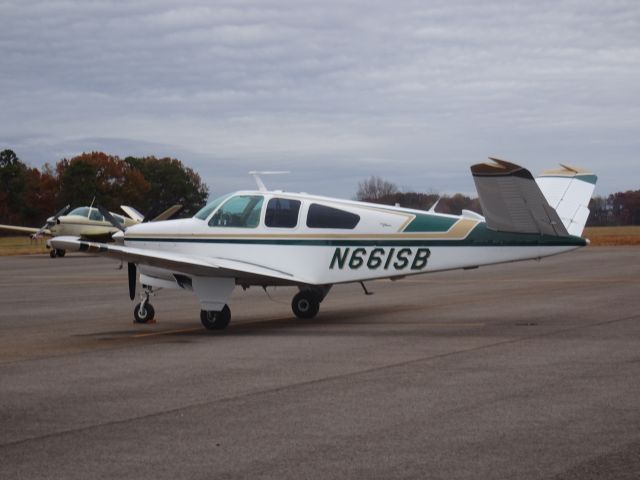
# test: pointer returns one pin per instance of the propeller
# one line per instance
(51, 221)
(110, 218)
(131, 270)
(131, 267)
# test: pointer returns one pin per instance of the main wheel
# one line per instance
(53, 253)
(305, 304)
(215, 320)
(145, 315)
(60, 252)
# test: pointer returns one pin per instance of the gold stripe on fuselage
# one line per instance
(459, 231)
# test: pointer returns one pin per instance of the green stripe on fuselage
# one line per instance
(430, 223)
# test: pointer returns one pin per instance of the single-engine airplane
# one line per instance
(87, 223)
(267, 238)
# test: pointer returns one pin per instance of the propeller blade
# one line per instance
(61, 212)
(132, 279)
(110, 218)
(51, 221)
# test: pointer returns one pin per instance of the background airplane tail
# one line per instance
(568, 191)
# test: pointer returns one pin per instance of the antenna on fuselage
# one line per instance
(256, 176)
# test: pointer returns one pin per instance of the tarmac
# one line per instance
(517, 371)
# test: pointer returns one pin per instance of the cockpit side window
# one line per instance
(282, 213)
(241, 211)
(321, 216)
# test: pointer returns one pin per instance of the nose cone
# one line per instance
(118, 237)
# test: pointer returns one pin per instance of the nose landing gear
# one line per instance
(56, 252)
(143, 311)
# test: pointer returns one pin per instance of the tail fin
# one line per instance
(512, 201)
(568, 190)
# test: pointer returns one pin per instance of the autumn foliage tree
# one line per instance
(108, 179)
(170, 182)
(28, 195)
(378, 190)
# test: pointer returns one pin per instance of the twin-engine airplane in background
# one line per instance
(86, 223)
(267, 238)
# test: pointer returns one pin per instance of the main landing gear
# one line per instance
(144, 312)
(306, 303)
(57, 252)
(212, 320)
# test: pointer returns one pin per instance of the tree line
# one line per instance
(621, 208)
(149, 184)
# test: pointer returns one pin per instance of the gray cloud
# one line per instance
(413, 91)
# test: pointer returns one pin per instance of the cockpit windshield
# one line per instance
(93, 214)
(80, 212)
(204, 213)
(242, 211)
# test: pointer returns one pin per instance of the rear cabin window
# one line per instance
(321, 216)
(242, 211)
(282, 213)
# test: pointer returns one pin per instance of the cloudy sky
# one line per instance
(335, 91)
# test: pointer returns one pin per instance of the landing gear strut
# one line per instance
(212, 320)
(144, 312)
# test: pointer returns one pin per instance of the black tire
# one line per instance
(61, 253)
(215, 320)
(146, 315)
(305, 304)
(53, 253)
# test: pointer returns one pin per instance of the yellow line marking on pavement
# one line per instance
(347, 323)
(528, 280)
(166, 332)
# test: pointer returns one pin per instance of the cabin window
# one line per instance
(321, 216)
(204, 213)
(282, 213)
(241, 211)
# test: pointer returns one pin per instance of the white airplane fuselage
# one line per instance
(387, 242)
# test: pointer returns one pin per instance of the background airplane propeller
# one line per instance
(110, 218)
(51, 221)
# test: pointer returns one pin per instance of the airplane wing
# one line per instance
(13, 228)
(180, 263)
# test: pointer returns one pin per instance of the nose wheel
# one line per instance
(144, 311)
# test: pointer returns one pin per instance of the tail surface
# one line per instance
(512, 201)
(568, 190)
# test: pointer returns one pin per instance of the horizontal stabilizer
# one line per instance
(133, 213)
(168, 213)
(512, 201)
